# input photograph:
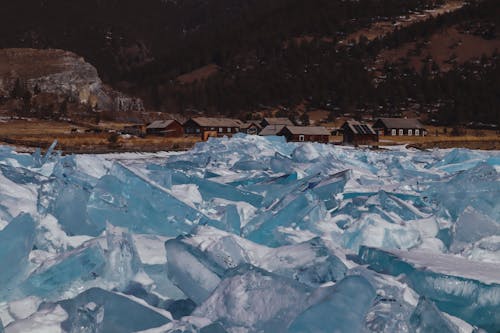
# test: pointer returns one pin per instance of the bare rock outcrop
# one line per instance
(62, 73)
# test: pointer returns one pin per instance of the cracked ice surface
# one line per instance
(251, 234)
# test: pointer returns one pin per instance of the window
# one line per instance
(229, 129)
(393, 132)
(197, 130)
(401, 132)
(417, 132)
(410, 132)
(301, 138)
(236, 129)
(220, 129)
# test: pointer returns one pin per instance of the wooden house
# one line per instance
(168, 128)
(276, 122)
(399, 127)
(357, 133)
(251, 127)
(305, 134)
(270, 130)
(211, 127)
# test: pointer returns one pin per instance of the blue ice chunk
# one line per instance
(191, 271)
(1, 326)
(49, 152)
(162, 284)
(329, 187)
(181, 308)
(137, 290)
(122, 258)
(393, 305)
(209, 189)
(427, 318)
(108, 312)
(124, 199)
(88, 319)
(459, 159)
(70, 209)
(231, 220)
(466, 289)
(471, 227)
(478, 188)
(213, 328)
(16, 242)
(372, 230)
(280, 163)
(302, 210)
(83, 264)
(249, 165)
(311, 263)
(343, 310)
(21, 175)
(251, 299)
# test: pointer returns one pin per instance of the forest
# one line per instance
(267, 54)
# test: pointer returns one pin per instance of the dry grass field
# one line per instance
(26, 135)
(441, 137)
(29, 134)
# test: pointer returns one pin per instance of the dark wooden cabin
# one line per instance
(357, 133)
(276, 122)
(399, 127)
(305, 134)
(211, 127)
(168, 128)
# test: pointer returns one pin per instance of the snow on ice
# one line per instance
(251, 234)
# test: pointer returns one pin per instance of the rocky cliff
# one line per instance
(61, 73)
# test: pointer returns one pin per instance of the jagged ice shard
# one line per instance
(251, 234)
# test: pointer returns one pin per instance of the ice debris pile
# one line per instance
(251, 234)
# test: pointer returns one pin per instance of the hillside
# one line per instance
(240, 57)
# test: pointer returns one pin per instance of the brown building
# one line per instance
(168, 128)
(211, 127)
(276, 122)
(357, 133)
(251, 127)
(399, 127)
(305, 133)
(271, 130)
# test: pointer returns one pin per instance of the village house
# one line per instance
(276, 122)
(270, 130)
(305, 133)
(399, 127)
(211, 127)
(357, 133)
(168, 128)
(251, 127)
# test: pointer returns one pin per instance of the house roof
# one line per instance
(159, 124)
(279, 121)
(308, 130)
(401, 123)
(217, 122)
(249, 124)
(359, 128)
(271, 130)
